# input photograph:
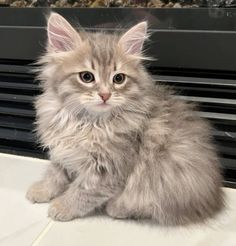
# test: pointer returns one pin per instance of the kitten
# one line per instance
(116, 140)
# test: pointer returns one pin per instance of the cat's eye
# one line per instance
(86, 77)
(119, 78)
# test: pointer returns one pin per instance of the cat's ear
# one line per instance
(132, 41)
(61, 35)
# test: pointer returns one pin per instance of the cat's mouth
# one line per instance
(103, 104)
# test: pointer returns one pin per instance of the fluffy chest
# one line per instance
(105, 143)
(92, 139)
(93, 151)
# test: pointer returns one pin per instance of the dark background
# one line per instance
(194, 51)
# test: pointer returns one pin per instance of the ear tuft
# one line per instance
(132, 41)
(61, 35)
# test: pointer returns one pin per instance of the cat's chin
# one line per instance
(103, 105)
(101, 108)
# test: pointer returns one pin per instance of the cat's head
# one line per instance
(96, 72)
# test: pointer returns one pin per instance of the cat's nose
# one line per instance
(104, 96)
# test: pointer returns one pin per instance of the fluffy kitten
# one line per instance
(116, 140)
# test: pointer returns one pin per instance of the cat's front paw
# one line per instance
(39, 193)
(62, 210)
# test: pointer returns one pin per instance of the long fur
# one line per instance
(149, 156)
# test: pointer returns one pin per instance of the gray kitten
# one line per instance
(116, 140)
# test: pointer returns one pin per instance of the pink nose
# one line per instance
(104, 96)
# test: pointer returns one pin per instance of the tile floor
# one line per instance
(23, 224)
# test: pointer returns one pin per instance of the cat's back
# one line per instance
(171, 115)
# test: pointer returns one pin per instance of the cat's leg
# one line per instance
(134, 201)
(77, 202)
(53, 184)
(116, 208)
